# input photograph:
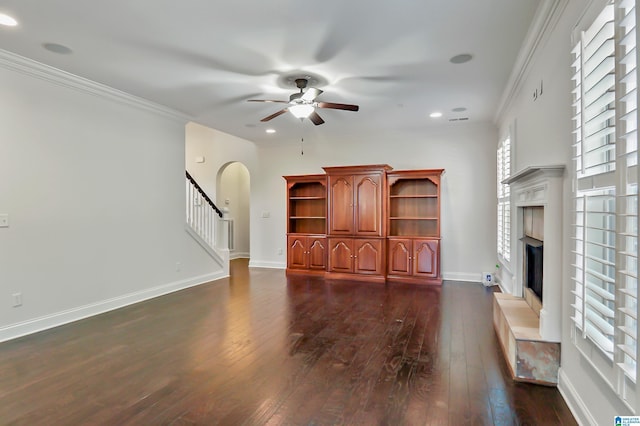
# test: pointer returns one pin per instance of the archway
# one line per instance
(233, 194)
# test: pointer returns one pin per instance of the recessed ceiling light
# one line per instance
(57, 48)
(461, 59)
(270, 130)
(7, 20)
(435, 115)
(459, 109)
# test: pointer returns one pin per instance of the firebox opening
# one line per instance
(533, 268)
(532, 256)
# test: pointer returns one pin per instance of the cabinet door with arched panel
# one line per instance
(368, 205)
(297, 252)
(400, 252)
(425, 258)
(369, 256)
(341, 255)
(340, 205)
(317, 253)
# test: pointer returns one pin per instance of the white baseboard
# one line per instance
(238, 255)
(266, 264)
(571, 396)
(35, 325)
(462, 276)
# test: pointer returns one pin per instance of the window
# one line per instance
(605, 206)
(504, 200)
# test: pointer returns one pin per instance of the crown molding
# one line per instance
(544, 22)
(62, 78)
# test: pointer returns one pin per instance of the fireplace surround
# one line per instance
(541, 186)
(528, 325)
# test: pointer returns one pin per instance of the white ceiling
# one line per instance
(207, 57)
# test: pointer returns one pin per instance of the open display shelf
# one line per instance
(414, 206)
(307, 205)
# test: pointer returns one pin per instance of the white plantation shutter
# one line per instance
(594, 154)
(605, 206)
(599, 267)
(627, 204)
(598, 96)
(504, 199)
(578, 262)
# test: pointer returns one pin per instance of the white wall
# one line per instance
(543, 137)
(94, 187)
(465, 150)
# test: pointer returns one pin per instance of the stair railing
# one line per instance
(201, 212)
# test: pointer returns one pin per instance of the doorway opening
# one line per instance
(233, 197)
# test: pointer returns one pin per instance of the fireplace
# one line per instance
(537, 197)
(527, 314)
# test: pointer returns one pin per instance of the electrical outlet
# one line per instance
(178, 266)
(4, 220)
(280, 251)
(17, 299)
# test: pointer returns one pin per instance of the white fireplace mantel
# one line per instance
(534, 172)
(541, 186)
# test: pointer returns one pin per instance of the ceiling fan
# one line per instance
(303, 104)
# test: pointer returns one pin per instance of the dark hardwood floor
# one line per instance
(260, 349)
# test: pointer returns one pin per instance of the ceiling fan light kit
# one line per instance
(301, 110)
(303, 104)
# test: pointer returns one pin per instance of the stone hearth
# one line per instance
(530, 358)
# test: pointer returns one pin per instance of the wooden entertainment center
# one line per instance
(367, 223)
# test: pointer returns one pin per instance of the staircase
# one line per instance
(205, 223)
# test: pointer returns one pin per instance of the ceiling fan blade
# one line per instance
(311, 94)
(332, 105)
(315, 118)
(267, 100)
(274, 115)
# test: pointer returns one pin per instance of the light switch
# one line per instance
(266, 214)
(4, 220)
